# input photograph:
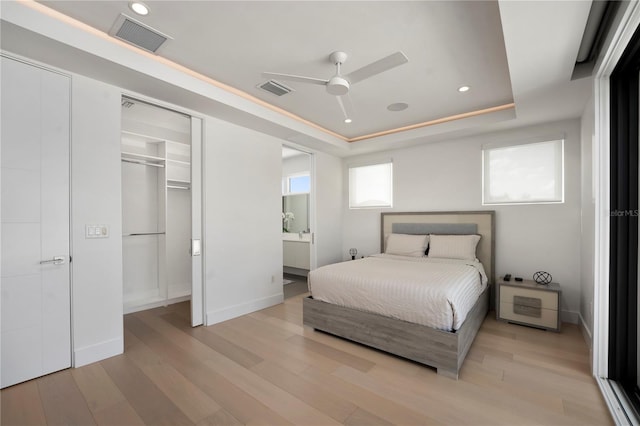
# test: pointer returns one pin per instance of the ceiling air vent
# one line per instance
(276, 88)
(136, 33)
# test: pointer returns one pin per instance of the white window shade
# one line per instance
(524, 174)
(371, 186)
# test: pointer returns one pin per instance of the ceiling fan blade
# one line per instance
(377, 67)
(297, 78)
(346, 106)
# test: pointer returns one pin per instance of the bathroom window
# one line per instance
(296, 184)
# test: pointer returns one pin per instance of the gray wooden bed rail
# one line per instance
(436, 348)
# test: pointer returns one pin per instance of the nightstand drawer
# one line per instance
(527, 297)
(539, 316)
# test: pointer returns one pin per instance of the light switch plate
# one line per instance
(96, 231)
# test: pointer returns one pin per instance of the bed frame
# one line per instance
(436, 348)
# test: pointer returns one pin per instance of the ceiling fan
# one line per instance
(339, 84)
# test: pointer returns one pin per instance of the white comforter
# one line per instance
(434, 292)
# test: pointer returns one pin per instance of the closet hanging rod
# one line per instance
(178, 187)
(144, 163)
(143, 233)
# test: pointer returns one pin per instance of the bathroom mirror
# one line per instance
(295, 209)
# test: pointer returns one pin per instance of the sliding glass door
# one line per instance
(624, 279)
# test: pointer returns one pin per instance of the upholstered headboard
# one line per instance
(447, 223)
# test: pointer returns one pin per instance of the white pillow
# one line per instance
(453, 246)
(407, 245)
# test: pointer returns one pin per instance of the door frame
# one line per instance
(313, 259)
(192, 114)
(629, 21)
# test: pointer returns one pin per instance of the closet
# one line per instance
(158, 198)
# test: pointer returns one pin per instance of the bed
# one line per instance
(346, 305)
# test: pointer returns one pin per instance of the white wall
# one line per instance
(95, 199)
(448, 176)
(588, 224)
(243, 234)
(329, 208)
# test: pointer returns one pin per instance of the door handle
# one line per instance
(57, 260)
(195, 248)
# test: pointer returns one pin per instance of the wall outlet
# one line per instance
(273, 279)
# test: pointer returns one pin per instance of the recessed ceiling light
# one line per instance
(347, 120)
(463, 88)
(139, 8)
(398, 106)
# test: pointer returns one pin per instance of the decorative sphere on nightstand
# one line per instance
(353, 253)
(542, 277)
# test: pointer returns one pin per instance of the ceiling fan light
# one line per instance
(337, 86)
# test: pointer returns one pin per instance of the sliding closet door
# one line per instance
(35, 284)
(197, 293)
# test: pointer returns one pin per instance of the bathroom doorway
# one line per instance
(298, 215)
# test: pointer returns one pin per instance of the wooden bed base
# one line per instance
(436, 348)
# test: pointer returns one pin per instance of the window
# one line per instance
(524, 174)
(371, 186)
(294, 184)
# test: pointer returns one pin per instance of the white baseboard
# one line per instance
(214, 317)
(585, 331)
(570, 317)
(588, 337)
(98, 352)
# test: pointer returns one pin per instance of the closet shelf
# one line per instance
(141, 137)
(183, 163)
(178, 184)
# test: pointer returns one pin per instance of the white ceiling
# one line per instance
(507, 51)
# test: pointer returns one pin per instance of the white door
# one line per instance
(197, 294)
(35, 287)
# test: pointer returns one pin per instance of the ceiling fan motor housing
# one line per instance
(338, 86)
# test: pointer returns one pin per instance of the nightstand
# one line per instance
(529, 303)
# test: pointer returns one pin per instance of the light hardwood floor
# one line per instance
(266, 369)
